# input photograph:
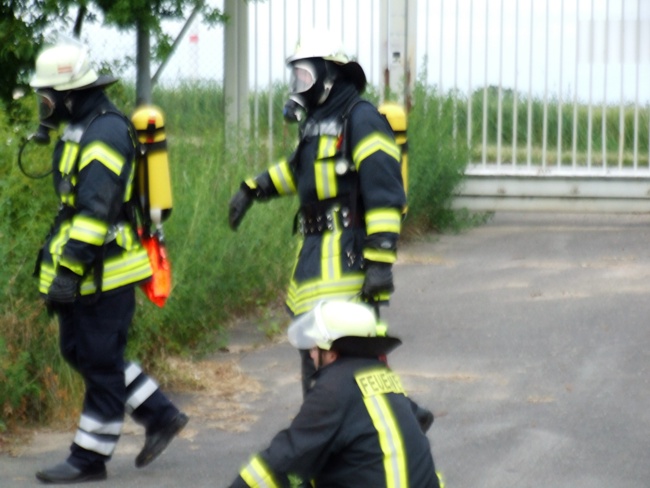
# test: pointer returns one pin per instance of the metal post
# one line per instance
(485, 84)
(590, 108)
(270, 81)
(384, 54)
(515, 101)
(500, 89)
(143, 62)
(470, 95)
(559, 96)
(529, 127)
(455, 127)
(236, 72)
(574, 135)
(603, 122)
(399, 17)
(545, 122)
(636, 90)
(621, 108)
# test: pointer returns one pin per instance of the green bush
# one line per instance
(437, 162)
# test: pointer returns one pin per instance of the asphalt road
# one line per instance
(528, 337)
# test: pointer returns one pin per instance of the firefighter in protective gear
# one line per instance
(346, 174)
(356, 426)
(91, 261)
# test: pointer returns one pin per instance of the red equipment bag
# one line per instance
(159, 286)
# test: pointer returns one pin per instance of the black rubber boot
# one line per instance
(157, 441)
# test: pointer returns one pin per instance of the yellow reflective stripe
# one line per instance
(325, 174)
(304, 296)
(441, 480)
(327, 147)
(126, 237)
(129, 184)
(373, 143)
(380, 255)
(68, 199)
(390, 440)
(256, 474)
(324, 167)
(130, 267)
(68, 157)
(89, 230)
(282, 178)
(251, 183)
(59, 240)
(73, 266)
(46, 276)
(331, 253)
(383, 220)
(66, 168)
(98, 151)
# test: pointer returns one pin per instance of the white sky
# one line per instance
(596, 50)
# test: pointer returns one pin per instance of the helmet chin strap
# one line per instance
(320, 359)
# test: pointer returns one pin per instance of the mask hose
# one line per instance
(42, 137)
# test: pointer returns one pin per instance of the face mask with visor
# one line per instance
(309, 86)
(303, 77)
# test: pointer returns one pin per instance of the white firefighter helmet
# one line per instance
(343, 326)
(323, 44)
(66, 66)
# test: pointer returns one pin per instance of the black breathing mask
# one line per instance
(51, 112)
(294, 111)
(310, 83)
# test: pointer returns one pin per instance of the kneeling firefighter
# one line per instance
(91, 262)
(346, 173)
(365, 435)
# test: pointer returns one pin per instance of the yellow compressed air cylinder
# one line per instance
(396, 116)
(154, 179)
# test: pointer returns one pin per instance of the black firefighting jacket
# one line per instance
(356, 428)
(93, 234)
(346, 173)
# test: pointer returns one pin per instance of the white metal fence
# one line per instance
(540, 85)
(563, 57)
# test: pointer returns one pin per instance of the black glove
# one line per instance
(64, 287)
(379, 278)
(239, 205)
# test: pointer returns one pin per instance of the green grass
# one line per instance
(219, 274)
(619, 128)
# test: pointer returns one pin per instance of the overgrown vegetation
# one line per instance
(218, 274)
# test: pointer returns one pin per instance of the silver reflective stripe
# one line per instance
(91, 443)
(331, 127)
(113, 231)
(73, 133)
(94, 426)
(141, 394)
(131, 373)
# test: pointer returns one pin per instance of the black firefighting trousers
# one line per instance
(93, 337)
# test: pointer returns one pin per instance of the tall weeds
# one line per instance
(217, 273)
